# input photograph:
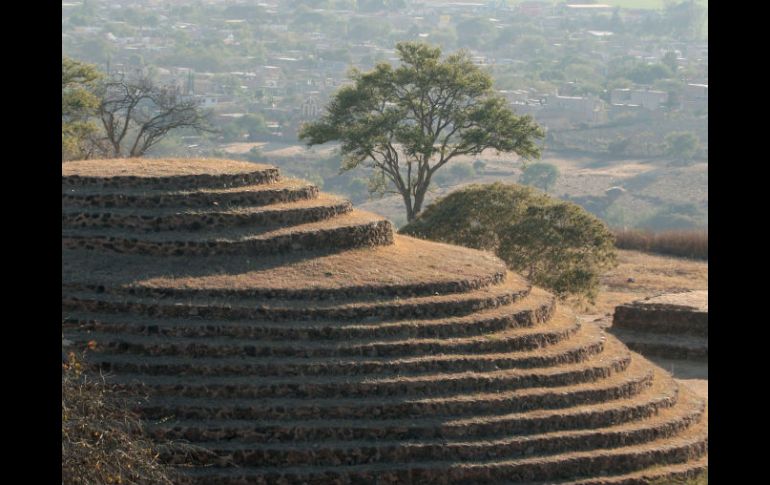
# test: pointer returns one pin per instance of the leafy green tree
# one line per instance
(682, 145)
(670, 60)
(540, 175)
(556, 244)
(649, 73)
(79, 104)
(475, 32)
(675, 217)
(686, 19)
(618, 146)
(408, 122)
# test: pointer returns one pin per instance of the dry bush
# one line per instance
(102, 440)
(702, 479)
(691, 243)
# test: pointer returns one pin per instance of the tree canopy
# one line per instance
(557, 245)
(682, 146)
(540, 175)
(407, 122)
(78, 104)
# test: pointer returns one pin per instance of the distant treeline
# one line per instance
(689, 243)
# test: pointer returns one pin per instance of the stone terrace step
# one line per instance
(408, 267)
(524, 311)
(278, 192)
(421, 307)
(563, 326)
(354, 229)
(180, 218)
(585, 344)
(668, 346)
(675, 474)
(229, 449)
(167, 173)
(643, 316)
(637, 377)
(688, 445)
(662, 394)
(372, 385)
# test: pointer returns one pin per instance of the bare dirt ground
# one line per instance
(639, 275)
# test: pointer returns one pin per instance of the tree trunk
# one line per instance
(410, 213)
(418, 200)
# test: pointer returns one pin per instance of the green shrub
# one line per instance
(557, 245)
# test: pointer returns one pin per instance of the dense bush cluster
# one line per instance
(556, 244)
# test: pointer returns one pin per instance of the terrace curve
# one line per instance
(298, 340)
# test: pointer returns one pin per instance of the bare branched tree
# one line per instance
(137, 114)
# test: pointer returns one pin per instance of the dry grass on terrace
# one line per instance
(696, 299)
(640, 275)
(149, 167)
(652, 275)
(407, 261)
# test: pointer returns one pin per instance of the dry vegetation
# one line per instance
(101, 438)
(700, 480)
(405, 262)
(685, 243)
(640, 275)
(147, 167)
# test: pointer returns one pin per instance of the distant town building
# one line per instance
(644, 98)
(310, 109)
(579, 109)
(696, 96)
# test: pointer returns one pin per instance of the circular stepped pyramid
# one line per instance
(297, 340)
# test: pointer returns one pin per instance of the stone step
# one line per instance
(662, 394)
(637, 377)
(686, 347)
(587, 342)
(176, 174)
(323, 387)
(574, 350)
(279, 192)
(677, 474)
(206, 219)
(535, 308)
(354, 229)
(408, 267)
(563, 326)
(690, 444)
(422, 307)
(229, 449)
(662, 319)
